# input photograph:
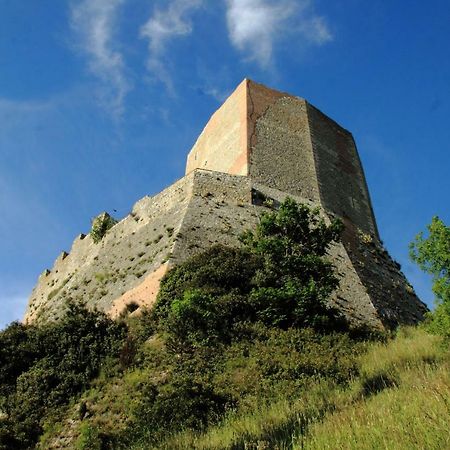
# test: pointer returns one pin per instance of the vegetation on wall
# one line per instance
(100, 225)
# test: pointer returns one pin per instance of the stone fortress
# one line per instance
(258, 148)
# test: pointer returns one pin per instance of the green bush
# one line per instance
(59, 360)
(280, 278)
(294, 281)
(89, 438)
(216, 271)
(432, 254)
(100, 225)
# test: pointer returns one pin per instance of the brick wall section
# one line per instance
(282, 156)
(223, 143)
(340, 175)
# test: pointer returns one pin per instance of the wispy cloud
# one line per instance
(316, 30)
(10, 107)
(94, 22)
(162, 27)
(255, 25)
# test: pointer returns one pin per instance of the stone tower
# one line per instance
(285, 143)
(260, 143)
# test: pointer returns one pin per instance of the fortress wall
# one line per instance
(220, 209)
(259, 99)
(282, 156)
(132, 250)
(288, 148)
(223, 143)
(223, 187)
(351, 297)
(342, 184)
(200, 210)
(226, 141)
(51, 283)
(390, 293)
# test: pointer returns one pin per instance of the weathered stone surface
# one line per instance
(260, 144)
(284, 142)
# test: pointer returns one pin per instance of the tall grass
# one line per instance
(400, 400)
(411, 410)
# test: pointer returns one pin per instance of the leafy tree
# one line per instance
(281, 277)
(432, 254)
(295, 280)
(53, 363)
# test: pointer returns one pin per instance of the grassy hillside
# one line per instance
(400, 399)
(283, 390)
(269, 388)
(242, 351)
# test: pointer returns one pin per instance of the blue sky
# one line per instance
(101, 100)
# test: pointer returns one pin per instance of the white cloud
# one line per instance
(94, 23)
(162, 27)
(316, 30)
(10, 107)
(255, 25)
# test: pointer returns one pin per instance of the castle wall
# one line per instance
(131, 251)
(390, 293)
(342, 185)
(260, 145)
(282, 155)
(200, 210)
(223, 143)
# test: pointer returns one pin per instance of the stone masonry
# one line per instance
(260, 144)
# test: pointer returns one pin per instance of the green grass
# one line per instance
(400, 400)
(412, 413)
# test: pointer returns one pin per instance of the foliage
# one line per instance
(18, 347)
(438, 321)
(183, 403)
(413, 413)
(100, 225)
(200, 388)
(432, 254)
(202, 299)
(89, 438)
(280, 278)
(54, 362)
(218, 270)
(295, 280)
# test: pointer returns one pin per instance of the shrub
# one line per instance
(294, 280)
(280, 278)
(100, 225)
(59, 360)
